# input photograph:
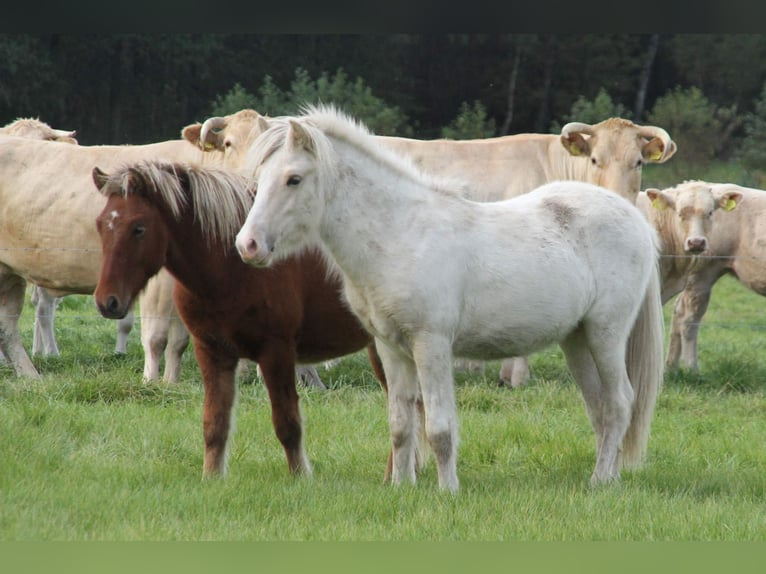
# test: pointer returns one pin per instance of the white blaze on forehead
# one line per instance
(114, 214)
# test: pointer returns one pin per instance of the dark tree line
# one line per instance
(138, 88)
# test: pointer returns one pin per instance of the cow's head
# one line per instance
(615, 152)
(694, 203)
(230, 135)
(33, 128)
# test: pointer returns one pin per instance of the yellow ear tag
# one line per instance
(729, 205)
(656, 155)
(573, 149)
(657, 203)
(208, 146)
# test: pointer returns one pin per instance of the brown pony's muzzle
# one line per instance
(111, 307)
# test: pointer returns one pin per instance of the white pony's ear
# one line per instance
(298, 137)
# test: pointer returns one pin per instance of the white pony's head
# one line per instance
(292, 164)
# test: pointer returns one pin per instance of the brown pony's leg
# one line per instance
(277, 364)
(377, 367)
(218, 377)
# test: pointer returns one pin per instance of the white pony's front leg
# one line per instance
(433, 357)
(402, 380)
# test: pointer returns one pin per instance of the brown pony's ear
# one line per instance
(99, 177)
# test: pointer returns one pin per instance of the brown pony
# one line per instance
(185, 218)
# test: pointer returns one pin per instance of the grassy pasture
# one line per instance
(89, 453)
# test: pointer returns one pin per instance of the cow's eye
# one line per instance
(639, 163)
(293, 180)
(593, 160)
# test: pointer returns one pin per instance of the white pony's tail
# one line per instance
(646, 368)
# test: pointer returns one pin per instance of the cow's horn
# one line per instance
(576, 127)
(215, 123)
(64, 133)
(655, 132)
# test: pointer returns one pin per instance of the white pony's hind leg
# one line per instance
(433, 357)
(403, 419)
(583, 369)
(124, 327)
(613, 413)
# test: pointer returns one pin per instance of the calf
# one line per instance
(706, 231)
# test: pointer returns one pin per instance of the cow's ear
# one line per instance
(191, 134)
(99, 177)
(262, 124)
(659, 200)
(575, 144)
(655, 150)
(729, 200)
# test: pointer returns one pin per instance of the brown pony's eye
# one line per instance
(139, 230)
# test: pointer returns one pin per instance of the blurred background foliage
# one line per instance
(707, 90)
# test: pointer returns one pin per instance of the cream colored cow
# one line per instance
(45, 302)
(48, 206)
(706, 230)
(611, 154)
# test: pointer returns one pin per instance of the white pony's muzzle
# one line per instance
(253, 251)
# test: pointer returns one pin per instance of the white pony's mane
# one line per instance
(220, 198)
(322, 121)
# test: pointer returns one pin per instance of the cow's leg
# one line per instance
(696, 298)
(156, 308)
(217, 371)
(124, 327)
(674, 345)
(177, 341)
(12, 293)
(44, 340)
(308, 376)
(277, 366)
(514, 372)
(154, 340)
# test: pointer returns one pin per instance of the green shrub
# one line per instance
(471, 123)
(601, 108)
(353, 97)
(701, 129)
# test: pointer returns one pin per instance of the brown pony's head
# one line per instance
(134, 240)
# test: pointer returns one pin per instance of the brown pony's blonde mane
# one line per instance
(220, 199)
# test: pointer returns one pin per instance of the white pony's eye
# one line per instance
(293, 180)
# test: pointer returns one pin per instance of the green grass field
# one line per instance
(90, 453)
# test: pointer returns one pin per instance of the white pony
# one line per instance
(433, 275)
